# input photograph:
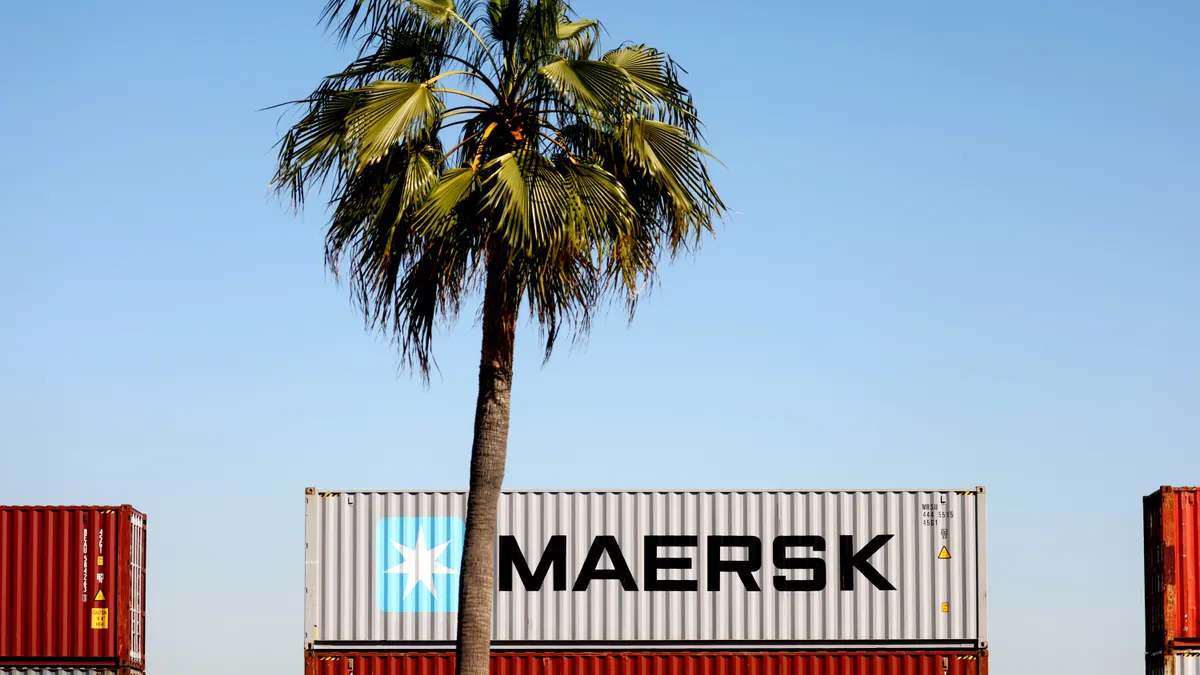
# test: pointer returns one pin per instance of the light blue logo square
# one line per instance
(417, 564)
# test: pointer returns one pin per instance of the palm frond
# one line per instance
(317, 144)
(504, 23)
(569, 30)
(578, 39)
(600, 208)
(645, 68)
(441, 206)
(597, 86)
(411, 50)
(561, 285)
(538, 34)
(389, 113)
(506, 196)
(653, 76)
(429, 289)
(367, 16)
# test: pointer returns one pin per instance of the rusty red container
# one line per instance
(73, 586)
(657, 663)
(1172, 559)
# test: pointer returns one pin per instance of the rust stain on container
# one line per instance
(658, 663)
(72, 586)
(1172, 568)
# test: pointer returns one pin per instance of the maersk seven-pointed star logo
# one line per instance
(417, 562)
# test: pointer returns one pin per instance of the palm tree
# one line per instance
(569, 171)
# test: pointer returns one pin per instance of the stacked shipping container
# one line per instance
(1172, 558)
(64, 670)
(845, 662)
(72, 590)
(629, 581)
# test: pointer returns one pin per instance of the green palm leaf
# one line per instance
(572, 30)
(419, 177)
(595, 85)
(440, 206)
(437, 10)
(653, 76)
(645, 67)
(599, 201)
(507, 198)
(390, 113)
(666, 153)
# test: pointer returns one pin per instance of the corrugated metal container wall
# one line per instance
(72, 585)
(1186, 662)
(734, 568)
(1172, 558)
(54, 670)
(58, 670)
(657, 663)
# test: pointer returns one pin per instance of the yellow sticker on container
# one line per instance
(99, 596)
(944, 554)
(99, 560)
(99, 619)
(945, 607)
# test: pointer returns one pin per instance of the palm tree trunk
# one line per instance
(488, 450)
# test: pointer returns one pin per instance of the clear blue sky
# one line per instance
(965, 252)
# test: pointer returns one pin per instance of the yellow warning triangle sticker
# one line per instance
(99, 596)
(944, 554)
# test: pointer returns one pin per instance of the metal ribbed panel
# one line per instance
(137, 588)
(64, 593)
(1172, 568)
(1187, 663)
(657, 663)
(935, 601)
(1184, 662)
(59, 670)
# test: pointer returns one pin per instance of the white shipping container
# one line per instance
(665, 569)
(1174, 662)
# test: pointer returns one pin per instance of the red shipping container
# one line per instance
(66, 670)
(72, 586)
(658, 663)
(1172, 559)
